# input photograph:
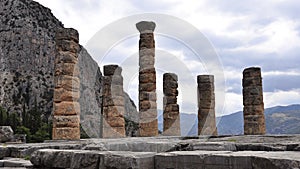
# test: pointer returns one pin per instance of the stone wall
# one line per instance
(113, 102)
(171, 108)
(206, 105)
(148, 125)
(66, 111)
(254, 119)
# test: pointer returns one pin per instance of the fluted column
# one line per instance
(148, 125)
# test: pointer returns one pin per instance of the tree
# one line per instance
(14, 120)
(3, 117)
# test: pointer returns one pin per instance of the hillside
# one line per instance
(279, 120)
(27, 53)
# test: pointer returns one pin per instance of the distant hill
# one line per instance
(279, 120)
(187, 122)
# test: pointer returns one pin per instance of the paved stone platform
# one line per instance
(228, 152)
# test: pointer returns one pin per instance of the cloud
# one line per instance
(266, 35)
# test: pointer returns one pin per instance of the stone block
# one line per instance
(6, 134)
(72, 121)
(66, 57)
(66, 82)
(66, 108)
(252, 72)
(147, 95)
(66, 45)
(110, 70)
(147, 78)
(69, 69)
(171, 108)
(146, 105)
(114, 111)
(147, 87)
(147, 70)
(61, 94)
(113, 101)
(67, 34)
(66, 133)
(205, 79)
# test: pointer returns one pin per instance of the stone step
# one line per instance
(176, 160)
(228, 160)
(77, 159)
(14, 162)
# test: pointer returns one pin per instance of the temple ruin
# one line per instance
(148, 125)
(66, 113)
(171, 108)
(66, 119)
(206, 105)
(254, 119)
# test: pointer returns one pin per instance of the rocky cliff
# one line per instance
(27, 51)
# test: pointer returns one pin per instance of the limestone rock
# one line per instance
(6, 134)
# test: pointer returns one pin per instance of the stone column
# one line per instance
(206, 105)
(113, 102)
(171, 108)
(148, 125)
(66, 107)
(254, 119)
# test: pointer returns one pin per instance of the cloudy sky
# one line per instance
(242, 33)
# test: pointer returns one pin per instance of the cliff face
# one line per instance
(27, 53)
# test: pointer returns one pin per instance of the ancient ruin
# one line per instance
(254, 119)
(113, 102)
(206, 105)
(66, 109)
(171, 108)
(147, 80)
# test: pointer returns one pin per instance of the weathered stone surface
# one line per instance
(15, 163)
(4, 152)
(132, 160)
(67, 85)
(112, 70)
(147, 80)
(66, 133)
(113, 102)
(227, 160)
(145, 26)
(254, 120)
(66, 121)
(66, 108)
(206, 105)
(6, 134)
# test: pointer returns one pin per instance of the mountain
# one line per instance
(187, 123)
(27, 53)
(279, 120)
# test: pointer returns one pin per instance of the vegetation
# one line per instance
(29, 123)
